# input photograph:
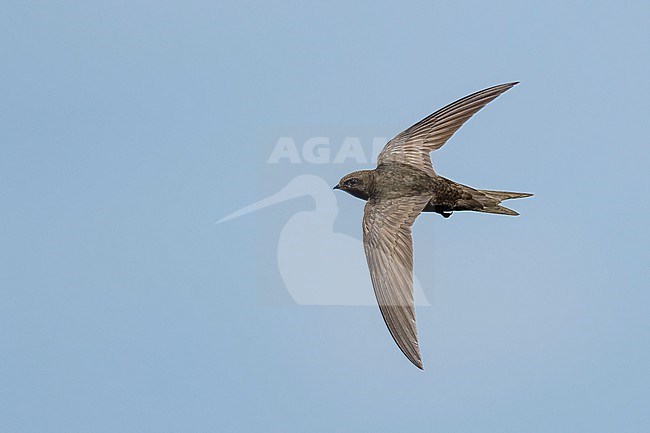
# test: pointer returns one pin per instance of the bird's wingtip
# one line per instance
(504, 87)
(416, 360)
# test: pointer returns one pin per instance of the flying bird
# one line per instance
(403, 185)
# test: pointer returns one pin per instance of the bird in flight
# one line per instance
(402, 186)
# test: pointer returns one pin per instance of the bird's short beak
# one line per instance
(336, 187)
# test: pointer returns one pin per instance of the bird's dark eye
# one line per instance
(351, 182)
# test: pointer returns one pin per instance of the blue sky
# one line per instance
(128, 128)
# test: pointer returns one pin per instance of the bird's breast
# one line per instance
(400, 180)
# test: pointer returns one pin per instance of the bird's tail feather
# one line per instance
(498, 209)
(496, 197)
(504, 195)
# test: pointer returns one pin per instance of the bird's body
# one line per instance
(402, 186)
(395, 179)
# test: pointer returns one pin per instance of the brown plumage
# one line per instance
(403, 185)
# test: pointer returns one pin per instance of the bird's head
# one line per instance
(358, 184)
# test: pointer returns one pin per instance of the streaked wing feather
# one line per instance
(389, 251)
(413, 145)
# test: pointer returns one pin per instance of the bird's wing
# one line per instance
(389, 251)
(413, 145)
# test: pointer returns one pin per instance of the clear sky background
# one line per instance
(128, 128)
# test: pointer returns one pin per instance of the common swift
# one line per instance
(402, 186)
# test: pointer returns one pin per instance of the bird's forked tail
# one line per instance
(491, 201)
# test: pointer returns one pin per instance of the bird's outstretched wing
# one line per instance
(389, 251)
(413, 145)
